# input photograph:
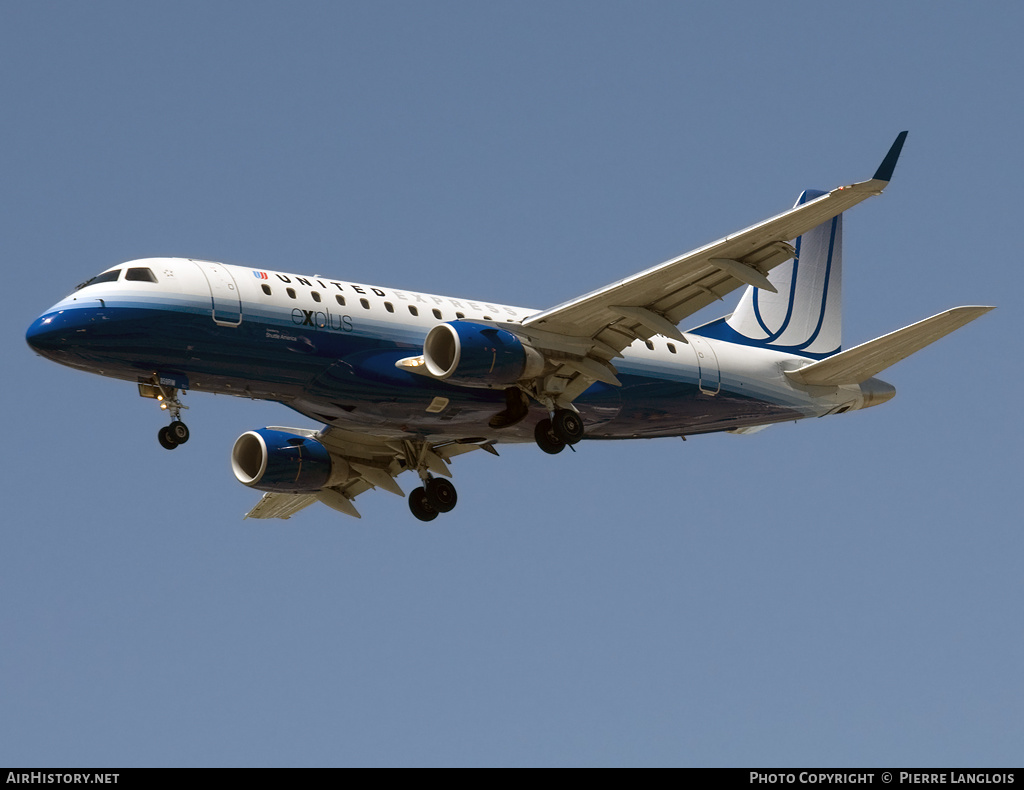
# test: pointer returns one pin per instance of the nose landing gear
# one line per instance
(170, 436)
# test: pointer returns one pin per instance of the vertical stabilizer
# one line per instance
(805, 316)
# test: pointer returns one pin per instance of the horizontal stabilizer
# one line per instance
(860, 363)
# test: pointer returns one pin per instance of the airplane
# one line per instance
(406, 381)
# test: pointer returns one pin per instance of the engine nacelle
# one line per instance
(283, 462)
(477, 355)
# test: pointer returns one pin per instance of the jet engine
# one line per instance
(477, 355)
(282, 462)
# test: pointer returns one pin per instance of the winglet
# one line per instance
(884, 171)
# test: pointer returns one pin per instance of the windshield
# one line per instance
(106, 277)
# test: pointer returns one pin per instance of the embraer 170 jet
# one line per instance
(406, 381)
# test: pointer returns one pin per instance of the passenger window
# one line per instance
(389, 307)
(671, 348)
(413, 310)
(340, 298)
(266, 289)
(437, 314)
(365, 303)
(316, 296)
(290, 292)
(140, 274)
(460, 316)
(649, 344)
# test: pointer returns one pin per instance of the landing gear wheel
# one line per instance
(420, 505)
(441, 494)
(179, 431)
(546, 439)
(166, 438)
(567, 425)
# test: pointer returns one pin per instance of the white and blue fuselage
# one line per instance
(328, 348)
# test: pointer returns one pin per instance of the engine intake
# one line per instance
(283, 462)
(477, 355)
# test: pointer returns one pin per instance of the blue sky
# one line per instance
(837, 592)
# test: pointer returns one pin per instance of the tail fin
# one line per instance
(805, 316)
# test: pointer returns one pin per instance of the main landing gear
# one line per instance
(436, 495)
(564, 428)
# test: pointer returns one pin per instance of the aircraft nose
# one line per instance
(47, 335)
(40, 335)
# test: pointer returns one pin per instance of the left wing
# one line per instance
(365, 462)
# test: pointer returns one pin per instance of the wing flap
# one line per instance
(280, 505)
(378, 478)
(860, 363)
(338, 501)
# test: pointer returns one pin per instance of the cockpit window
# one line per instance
(106, 277)
(140, 274)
